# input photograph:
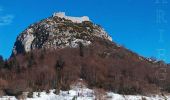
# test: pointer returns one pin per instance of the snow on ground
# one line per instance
(7, 98)
(84, 94)
(137, 97)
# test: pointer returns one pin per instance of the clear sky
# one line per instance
(131, 23)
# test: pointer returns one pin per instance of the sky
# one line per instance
(134, 24)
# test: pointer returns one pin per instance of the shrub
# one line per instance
(167, 88)
(13, 92)
(129, 90)
(30, 95)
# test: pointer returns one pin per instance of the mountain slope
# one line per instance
(74, 48)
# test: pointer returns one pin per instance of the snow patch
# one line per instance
(85, 94)
(73, 19)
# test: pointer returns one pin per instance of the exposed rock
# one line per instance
(58, 31)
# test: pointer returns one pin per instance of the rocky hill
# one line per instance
(57, 51)
(58, 31)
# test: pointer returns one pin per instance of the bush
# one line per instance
(13, 92)
(143, 98)
(129, 90)
(30, 95)
(167, 88)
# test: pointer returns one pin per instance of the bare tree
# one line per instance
(59, 67)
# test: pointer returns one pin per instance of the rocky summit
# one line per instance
(58, 31)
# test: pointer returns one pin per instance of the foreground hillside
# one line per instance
(79, 91)
(103, 64)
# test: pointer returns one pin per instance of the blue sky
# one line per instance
(131, 23)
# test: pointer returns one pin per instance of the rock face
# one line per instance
(58, 31)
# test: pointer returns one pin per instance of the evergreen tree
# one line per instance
(1, 62)
(7, 65)
(81, 47)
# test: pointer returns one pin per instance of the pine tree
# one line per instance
(7, 65)
(81, 47)
(1, 62)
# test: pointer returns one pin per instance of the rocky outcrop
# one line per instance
(58, 31)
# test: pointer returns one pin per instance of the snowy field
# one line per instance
(84, 94)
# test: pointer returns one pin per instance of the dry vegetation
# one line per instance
(102, 65)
